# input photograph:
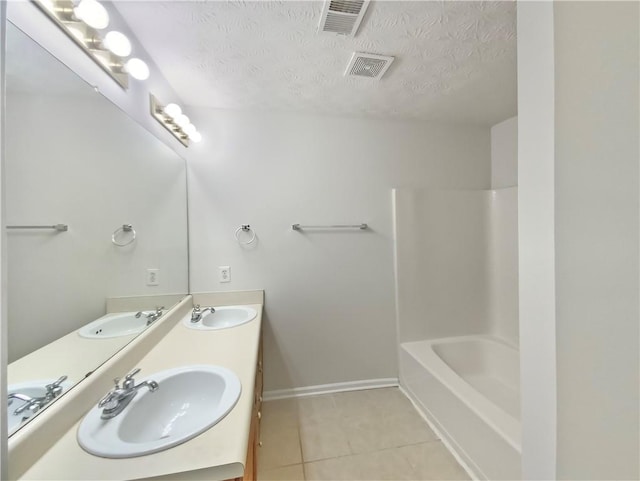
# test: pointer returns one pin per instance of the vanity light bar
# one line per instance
(81, 22)
(171, 118)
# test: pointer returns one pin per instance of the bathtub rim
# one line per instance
(507, 427)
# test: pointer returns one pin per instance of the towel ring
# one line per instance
(124, 228)
(245, 228)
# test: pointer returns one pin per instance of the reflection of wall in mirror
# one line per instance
(81, 161)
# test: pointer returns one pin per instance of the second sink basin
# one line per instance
(189, 401)
(115, 325)
(222, 318)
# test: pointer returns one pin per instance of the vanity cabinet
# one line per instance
(251, 464)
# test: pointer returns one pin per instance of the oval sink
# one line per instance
(115, 325)
(33, 389)
(189, 401)
(223, 317)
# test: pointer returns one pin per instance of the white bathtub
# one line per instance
(468, 387)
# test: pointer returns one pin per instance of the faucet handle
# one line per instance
(55, 389)
(197, 308)
(129, 382)
(159, 309)
(57, 383)
(129, 376)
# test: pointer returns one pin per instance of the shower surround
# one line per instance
(457, 308)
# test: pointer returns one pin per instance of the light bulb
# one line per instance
(117, 43)
(137, 69)
(189, 129)
(181, 120)
(195, 137)
(172, 110)
(92, 13)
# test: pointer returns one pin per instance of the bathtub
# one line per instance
(468, 388)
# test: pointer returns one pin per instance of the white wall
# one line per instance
(536, 231)
(329, 295)
(597, 152)
(94, 169)
(578, 108)
(504, 154)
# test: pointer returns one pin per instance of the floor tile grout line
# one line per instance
(371, 452)
(300, 443)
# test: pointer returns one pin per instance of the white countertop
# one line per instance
(219, 453)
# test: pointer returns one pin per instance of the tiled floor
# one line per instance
(360, 435)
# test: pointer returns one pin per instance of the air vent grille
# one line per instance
(339, 24)
(368, 65)
(342, 16)
(342, 6)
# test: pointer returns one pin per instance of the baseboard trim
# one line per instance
(330, 388)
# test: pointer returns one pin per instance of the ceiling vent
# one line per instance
(368, 65)
(342, 16)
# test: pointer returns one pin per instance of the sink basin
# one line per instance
(222, 318)
(115, 325)
(189, 401)
(31, 389)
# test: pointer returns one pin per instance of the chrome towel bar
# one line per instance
(58, 227)
(335, 226)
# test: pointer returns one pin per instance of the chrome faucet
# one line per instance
(152, 316)
(197, 313)
(34, 404)
(114, 402)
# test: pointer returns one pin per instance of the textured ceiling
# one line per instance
(455, 61)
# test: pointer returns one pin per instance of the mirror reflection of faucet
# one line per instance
(198, 313)
(31, 405)
(152, 316)
(114, 402)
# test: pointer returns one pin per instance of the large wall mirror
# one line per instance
(77, 296)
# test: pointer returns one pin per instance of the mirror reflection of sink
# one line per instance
(115, 325)
(222, 318)
(33, 389)
(189, 401)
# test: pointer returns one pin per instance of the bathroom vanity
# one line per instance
(48, 447)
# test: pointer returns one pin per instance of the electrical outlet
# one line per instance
(153, 277)
(224, 274)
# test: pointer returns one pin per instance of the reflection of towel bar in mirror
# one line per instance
(336, 226)
(124, 228)
(58, 227)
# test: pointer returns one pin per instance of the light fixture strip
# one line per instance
(157, 112)
(107, 61)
